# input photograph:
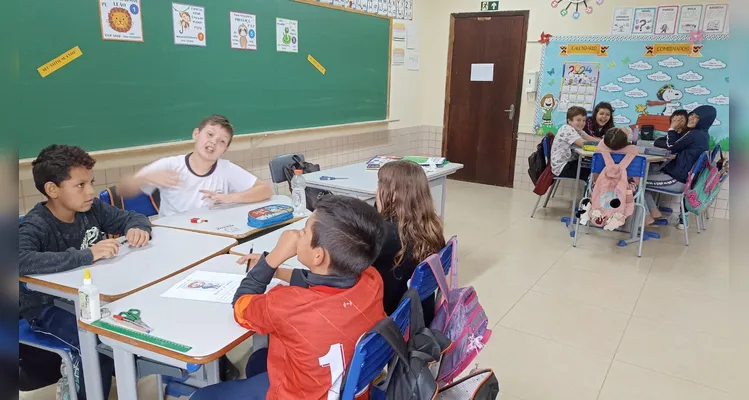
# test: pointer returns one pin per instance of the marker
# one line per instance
(198, 220)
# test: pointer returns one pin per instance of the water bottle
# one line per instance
(298, 194)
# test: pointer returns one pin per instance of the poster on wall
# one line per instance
(189, 24)
(689, 19)
(666, 19)
(644, 78)
(644, 21)
(622, 22)
(287, 35)
(715, 18)
(243, 31)
(121, 20)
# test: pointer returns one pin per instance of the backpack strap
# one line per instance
(155, 199)
(454, 262)
(439, 274)
(114, 198)
(389, 331)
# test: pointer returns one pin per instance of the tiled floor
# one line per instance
(592, 322)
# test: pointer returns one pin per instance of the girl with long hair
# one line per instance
(601, 121)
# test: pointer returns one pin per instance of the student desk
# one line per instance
(170, 252)
(268, 242)
(362, 183)
(209, 328)
(227, 220)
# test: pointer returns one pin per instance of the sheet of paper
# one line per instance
(189, 24)
(482, 72)
(399, 53)
(666, 19)
(243, 31)
(715, 18)
(412, 60)
(689, 19)
(644, 21)
(412, 36)
(287, 35)
(622, 22)
(121, 21)
(213, 287)
(399, 31)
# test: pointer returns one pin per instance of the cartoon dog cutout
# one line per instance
(667, 96)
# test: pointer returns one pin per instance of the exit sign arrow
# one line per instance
(490, 6)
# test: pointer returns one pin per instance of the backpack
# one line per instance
(701, 193)
(116, 200)
(313, 195)
(460, 317)
(536, 163)
(611, 201)
(409, 376)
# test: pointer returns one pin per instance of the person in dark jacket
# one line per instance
(66, 232)
(687, 148)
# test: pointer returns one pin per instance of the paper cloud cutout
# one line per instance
(718, 100)
(621, 120)
(659, 76)
(690, 76)
(618, 103)
(698, 90)
(629, 78)
(691, 106)
(611, 87)
(713, 64)
(640, 66)
(671, 63)
(717, 122)
(636, 93)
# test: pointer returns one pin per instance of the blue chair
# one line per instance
(372, 354)
(636, 169)
(554, 186)
(142, 203)
(29, 337)
(423, 279)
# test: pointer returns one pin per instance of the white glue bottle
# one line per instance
(88, 297)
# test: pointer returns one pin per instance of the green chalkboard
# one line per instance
(122, 94)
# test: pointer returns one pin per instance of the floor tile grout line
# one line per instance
(587, 351)
(674, 376)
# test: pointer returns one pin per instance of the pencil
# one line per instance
(252, 249)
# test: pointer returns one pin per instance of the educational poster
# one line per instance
(189, 24)
(689, 19)
(409, 9)
(622, 23)
(644, 21)
(665, 20)
(715, 18)
(579, 85)
(389, 8)
(287, 35)
(644, 78)
(120, 20)
(243, 31)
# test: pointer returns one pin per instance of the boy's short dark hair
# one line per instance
(53, 164)
(350, 230)
(616, 138)
(219, 120)
(574, 111)
(677, 113)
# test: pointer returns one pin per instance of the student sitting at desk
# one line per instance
(601, 121)
(315, 322)
(69, 231)
(563, 160)
(200, 178)
(413, 230)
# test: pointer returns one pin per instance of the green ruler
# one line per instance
(145, 337)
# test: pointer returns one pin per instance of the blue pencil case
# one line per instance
(274, 214)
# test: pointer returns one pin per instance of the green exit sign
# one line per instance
(490, 6)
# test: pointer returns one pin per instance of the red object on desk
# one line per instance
(198, 220)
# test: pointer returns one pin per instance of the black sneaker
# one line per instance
(227, 370)
(680, 226)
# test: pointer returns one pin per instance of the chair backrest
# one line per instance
(545, 144)
(276, 166)
(715, 153)
(20, 219)
(636, 168)
(423, 279)
(142, 203)
(372, 354)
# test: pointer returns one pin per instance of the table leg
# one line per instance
(90, 361)
(127, 377)
(443, 200)
(574, 191)
(212, 375)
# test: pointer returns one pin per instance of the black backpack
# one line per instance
(313, 195)
(536, 163)
(409, 376)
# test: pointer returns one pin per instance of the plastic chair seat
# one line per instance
(26, 335)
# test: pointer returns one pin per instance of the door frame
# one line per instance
(518, 96)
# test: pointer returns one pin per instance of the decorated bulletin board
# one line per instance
(644, 78)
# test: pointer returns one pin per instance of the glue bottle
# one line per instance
(88, 297)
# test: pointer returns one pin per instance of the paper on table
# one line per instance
(482, 72)
(214, 287)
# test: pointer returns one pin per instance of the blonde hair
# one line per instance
(404, 197)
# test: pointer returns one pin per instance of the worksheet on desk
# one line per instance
(215, 287)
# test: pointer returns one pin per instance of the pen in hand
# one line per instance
(252, 250)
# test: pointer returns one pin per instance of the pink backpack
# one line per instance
(460, 317)
(611, 201)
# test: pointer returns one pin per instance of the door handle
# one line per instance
(511, 111)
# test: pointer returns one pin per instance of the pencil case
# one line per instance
(264, 217)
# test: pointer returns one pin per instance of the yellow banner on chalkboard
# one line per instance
(59, 61)
(591, 49)
(673, 49)
(316, 64)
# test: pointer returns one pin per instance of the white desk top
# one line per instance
(229, 221)
(648, 157)
(268, 242)
(362, 180)
(209, 328)
(170, 251)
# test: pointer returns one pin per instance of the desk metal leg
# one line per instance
(444, 198)
(90, 362)
(577, 187)
(127, 377)
(212, 375)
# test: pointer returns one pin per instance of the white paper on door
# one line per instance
(482, 72)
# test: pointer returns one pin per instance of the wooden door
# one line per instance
(482, 107)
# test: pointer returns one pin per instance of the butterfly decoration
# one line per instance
(551, 72)
(612, 64)
(551, 82)
(626, 60)
(544, 38)
(696, 36)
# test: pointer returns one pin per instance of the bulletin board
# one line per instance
(644, 78)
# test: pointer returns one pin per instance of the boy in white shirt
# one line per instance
(200, 178)
(563, 160)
